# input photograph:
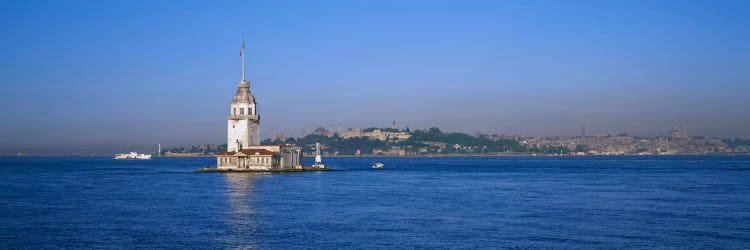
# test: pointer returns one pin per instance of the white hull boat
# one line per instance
(132, 156)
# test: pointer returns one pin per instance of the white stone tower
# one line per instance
(243, 122)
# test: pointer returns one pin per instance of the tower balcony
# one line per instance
(243, 117)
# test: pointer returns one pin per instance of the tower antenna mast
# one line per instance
(242, 54)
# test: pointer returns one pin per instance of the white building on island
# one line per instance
(244, 151)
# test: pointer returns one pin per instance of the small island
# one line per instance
(244, 152)
(280, 170)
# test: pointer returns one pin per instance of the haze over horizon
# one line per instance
(120, 76)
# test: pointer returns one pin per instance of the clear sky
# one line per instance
(125, 75)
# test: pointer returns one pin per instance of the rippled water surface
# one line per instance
(527, 202)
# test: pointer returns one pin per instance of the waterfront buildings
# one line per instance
(675, 144)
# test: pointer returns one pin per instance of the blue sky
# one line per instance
(126, 75)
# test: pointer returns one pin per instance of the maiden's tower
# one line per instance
(244, 151)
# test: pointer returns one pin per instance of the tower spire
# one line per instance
(242, 54)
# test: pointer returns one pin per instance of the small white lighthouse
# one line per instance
(318, 162)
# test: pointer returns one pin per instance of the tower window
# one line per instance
(234, 112)
(249, 111)
(242, 111)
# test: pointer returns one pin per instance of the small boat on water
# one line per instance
(132, 156)
(378, 165)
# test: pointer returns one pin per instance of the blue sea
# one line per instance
(694, 202)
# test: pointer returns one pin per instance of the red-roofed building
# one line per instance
(261, 157)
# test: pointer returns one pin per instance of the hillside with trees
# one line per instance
(421, 142)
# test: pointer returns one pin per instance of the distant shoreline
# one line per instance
(513, 155)
(392, 156)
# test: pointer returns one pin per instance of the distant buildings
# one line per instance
(374, 141)
(583, 131)
(397, 143)
(678, 142)
(677, 134)
(321, 131)
(393, 151)
(376, 134)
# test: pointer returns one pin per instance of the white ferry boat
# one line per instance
(132, 156)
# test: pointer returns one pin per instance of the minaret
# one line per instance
(243, 122)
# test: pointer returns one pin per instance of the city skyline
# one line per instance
(113, 75)
(88, 150)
